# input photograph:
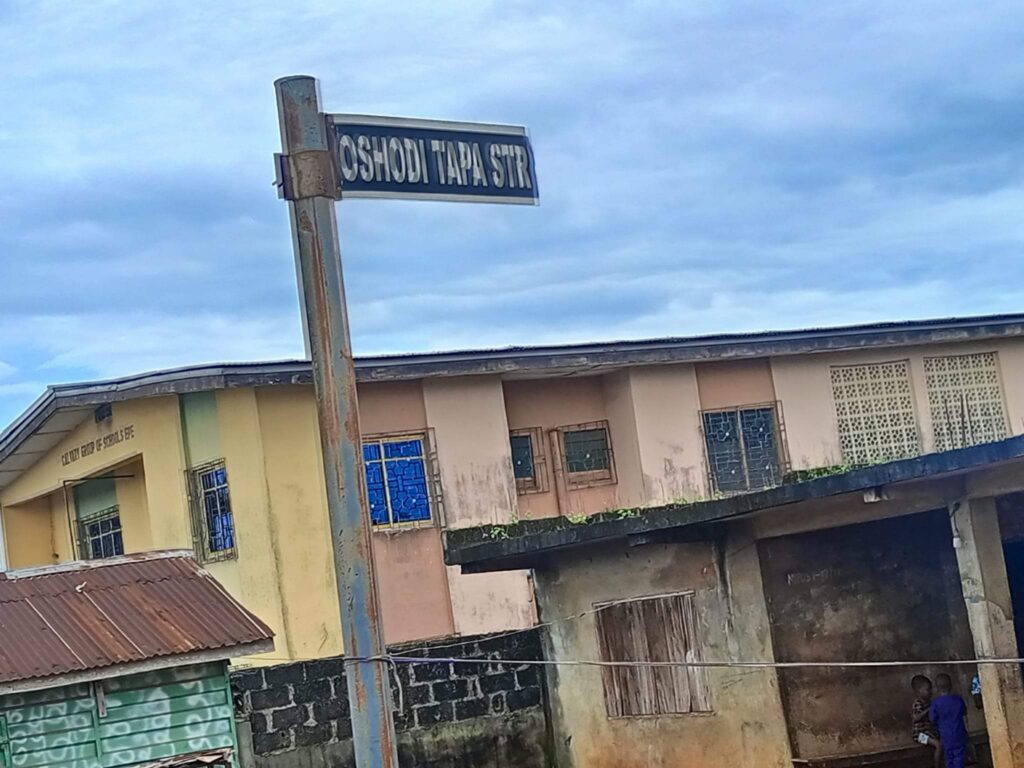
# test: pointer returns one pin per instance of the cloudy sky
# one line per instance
(703, 166)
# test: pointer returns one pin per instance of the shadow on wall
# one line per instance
(450, 714)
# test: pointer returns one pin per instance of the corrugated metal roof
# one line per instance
(86, 616)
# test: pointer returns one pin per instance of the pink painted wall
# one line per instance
(552, 403)
(410, 565)
(735, 382)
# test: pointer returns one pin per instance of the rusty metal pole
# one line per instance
(309, 186)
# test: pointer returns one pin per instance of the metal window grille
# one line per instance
(744, 447)
(529, 462)
(213, 522)
(875, 412)
(587, 456)
(100, 534)
(653, 629)
(402, 484)
(965, 399)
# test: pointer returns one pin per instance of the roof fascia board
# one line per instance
(134, 668)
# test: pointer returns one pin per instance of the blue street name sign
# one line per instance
(401, 158)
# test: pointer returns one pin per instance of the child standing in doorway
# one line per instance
(948, 712)
(924, 731)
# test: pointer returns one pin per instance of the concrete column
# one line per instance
(989, 610)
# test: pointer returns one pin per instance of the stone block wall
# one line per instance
(493, 711)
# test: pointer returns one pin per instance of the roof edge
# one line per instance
(583, 356)
(477, 550)
(137, 667)
(88, 565)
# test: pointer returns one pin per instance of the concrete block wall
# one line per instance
(303, 706)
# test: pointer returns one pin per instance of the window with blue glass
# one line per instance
(101, 535)
(213, 521)
(397, 482)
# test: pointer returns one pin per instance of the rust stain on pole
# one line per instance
(304, 139)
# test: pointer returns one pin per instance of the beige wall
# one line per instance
(412, 578)
(467, 416)
(746, 727)
(669, 433)
(803, 385)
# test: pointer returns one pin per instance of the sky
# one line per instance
(703, 167)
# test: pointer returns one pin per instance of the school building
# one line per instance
(225, 459)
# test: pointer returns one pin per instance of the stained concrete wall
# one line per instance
(745, 728)
(881, 590)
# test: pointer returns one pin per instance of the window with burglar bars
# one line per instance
(965, 398)
(400, 481)
(587, 457)
(744, 446)
(653, 629)
(529, 464)
(213, 523)
(100, 535)
(875, 412)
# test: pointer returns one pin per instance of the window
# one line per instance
(659, 629)
(743, 448)
(528, 463)
(965, 398)
(100, 534)
(875, 412)
(397, 480)
(213, 524)
(587, 454)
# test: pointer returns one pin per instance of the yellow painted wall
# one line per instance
(295, 534)
(153, 505)
(28, 533)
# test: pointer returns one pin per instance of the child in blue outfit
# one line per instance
(948, 712)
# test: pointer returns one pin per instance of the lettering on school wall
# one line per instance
(99, 445)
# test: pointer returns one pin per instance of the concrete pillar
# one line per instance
(989, 610)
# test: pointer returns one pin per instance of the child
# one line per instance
(948, 711)
(923, 728)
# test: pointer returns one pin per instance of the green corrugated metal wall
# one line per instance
(149, 717)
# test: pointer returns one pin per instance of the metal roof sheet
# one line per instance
(85, 616)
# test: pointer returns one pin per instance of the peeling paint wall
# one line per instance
(746, 726)
(668, 433)
(471, 431)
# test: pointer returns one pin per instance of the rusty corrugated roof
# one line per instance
(86, 616)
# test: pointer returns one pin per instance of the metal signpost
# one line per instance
(333, 157)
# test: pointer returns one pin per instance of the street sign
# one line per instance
(404, 158)
(383, 157)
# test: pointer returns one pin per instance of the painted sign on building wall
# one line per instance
(393, 157)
